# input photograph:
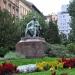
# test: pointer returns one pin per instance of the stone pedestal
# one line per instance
(31, 47)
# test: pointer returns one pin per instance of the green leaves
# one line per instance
(71, 11)
(52, 35)
(9, 31)
(71, 8)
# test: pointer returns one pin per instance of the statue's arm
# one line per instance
(27, 28)
(28, 25)
(37, 23)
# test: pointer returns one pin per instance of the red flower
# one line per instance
(69, 62)
(1, 69)
(7, 68)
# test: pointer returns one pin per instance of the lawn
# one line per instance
(35, 60)
(29, 61)
(58, 72)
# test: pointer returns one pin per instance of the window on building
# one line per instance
(63, 24)
(17, 2)
(66, 30)
(13, 10)
(17, 12)
(68, 23)
(9, 7)
(23, 10)
(63, 16)
(4, 3)
(26, 12)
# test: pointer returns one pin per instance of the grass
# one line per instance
(29, 61)
(58, 72)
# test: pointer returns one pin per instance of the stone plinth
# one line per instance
(31, 47)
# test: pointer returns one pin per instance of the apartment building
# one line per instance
(11, 5)
(64, 20)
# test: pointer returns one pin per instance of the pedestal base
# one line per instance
(31, 47)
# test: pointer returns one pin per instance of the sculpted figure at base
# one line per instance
(33, 28)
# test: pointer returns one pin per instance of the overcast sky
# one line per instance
(49, 6)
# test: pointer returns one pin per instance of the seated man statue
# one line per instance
(32, 28)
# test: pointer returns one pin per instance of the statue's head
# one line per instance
(34, 18)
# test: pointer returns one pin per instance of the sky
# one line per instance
(49, 6)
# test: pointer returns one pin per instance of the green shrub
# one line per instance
(47, 51)
(71, 47)
(3, 51)
(12, 55)
(56, 50)
(58, 47)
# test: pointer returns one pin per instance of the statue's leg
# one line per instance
(37, 33)
(34, 33)
(30, 32)
(25, 33)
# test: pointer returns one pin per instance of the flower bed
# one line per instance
(68, 62)
(60, 63)
(26, 68)
(51, 64)
(7, 68)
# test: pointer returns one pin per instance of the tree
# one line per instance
(9, 30)
(71, 10)
(71, 37)
(64, 39)
(52, 33)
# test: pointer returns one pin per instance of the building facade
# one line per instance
(18, 8)
(64, 21)
(11, 5)
(52, 17)
(23, 8)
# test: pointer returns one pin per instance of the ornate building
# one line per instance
(11, 5)
(18, 8)
(25, 7)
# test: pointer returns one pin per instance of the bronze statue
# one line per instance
(33, 28)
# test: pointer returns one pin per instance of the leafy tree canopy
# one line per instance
(9, 30)
(71, 11)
